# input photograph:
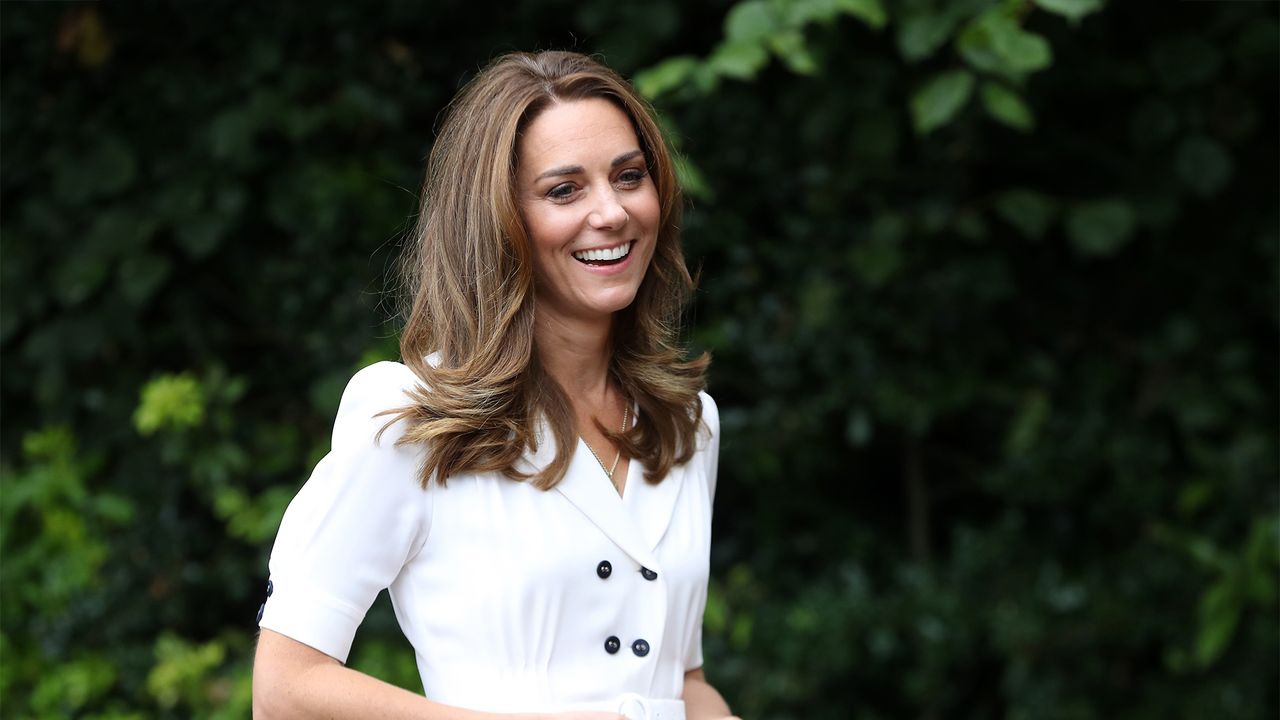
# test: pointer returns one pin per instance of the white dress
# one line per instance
(515, 599)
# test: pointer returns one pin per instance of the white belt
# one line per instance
(634, 706)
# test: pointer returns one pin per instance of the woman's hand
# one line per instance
(701, 701)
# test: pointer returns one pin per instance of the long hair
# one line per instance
(469, 276)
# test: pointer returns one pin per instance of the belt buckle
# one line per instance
(633, 707)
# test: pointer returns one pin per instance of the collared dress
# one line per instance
(514, 599)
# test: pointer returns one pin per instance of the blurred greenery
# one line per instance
(991, 288)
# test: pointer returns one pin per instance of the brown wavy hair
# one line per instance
(469, 279)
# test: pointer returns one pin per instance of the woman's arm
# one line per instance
(292, 680)
(701, 701)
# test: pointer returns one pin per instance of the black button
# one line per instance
(611, 644)
(640, 648)
(261, 607)
(604, 569)
(648, 574)
(270, 587)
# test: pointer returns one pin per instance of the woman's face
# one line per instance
(590, 208)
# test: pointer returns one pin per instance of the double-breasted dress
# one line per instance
(514, 599)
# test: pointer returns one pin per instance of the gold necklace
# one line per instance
(626, 415)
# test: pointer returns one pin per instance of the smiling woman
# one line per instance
(592, 224)
(534, 483)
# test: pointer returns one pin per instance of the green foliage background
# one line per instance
(991, 288)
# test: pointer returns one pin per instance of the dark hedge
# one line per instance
(991, 287)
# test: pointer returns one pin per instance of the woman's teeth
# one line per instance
(605, 254)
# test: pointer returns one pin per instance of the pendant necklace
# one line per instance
(608, 471)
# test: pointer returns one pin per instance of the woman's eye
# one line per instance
(560, 191)
(631, 177)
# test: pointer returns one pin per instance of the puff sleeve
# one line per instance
(710, 459)
(358, 520)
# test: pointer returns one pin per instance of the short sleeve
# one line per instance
(710, 461)
(359, 519)
(711, 416)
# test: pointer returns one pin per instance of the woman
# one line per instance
(534, 484)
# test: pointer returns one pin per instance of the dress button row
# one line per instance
(612, 644)
(605, 568)
(261, 608)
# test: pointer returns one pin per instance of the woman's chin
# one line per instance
(622, 301)
(599, 305)
(608, 307)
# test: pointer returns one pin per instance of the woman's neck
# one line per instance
(576, 353)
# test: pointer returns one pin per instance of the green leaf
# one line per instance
(705, 79)
(1219, 614)
(740, 636)
(798, 13)
(75, 684)
(665, 76)
(1006, 106)
(752, 21)
(1023, 51)
(1072, 10)
(1195, 495)
(1261, 559)
(1027, 210)
(870, 12)
(920, 34)
(691, 179)
(740, 59)
(716, 615)
(790, 46)
(994, 42)
(1203, 164)
(174, 401)
(1024, 430)
(49, 445)
(940, 99)
(1100, 227)
(183, 668)
(114, 508)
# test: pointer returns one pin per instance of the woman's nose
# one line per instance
(608, 214)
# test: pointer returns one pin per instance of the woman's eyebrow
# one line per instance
(578, 169)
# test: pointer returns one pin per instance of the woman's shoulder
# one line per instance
(370, 400)
(385, 377)
(710, 412)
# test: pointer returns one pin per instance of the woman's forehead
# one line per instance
(576, 132)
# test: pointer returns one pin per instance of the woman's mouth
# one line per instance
(603, 257)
